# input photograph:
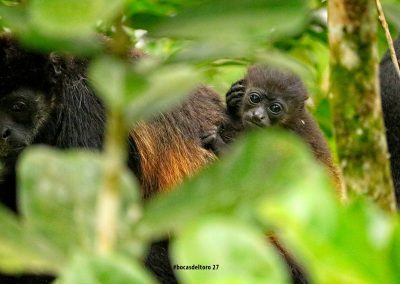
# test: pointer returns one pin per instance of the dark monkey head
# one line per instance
(45, 99)
(22, 114)
(272, 97)
(24, 104)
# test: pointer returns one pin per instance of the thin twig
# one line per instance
(389, 39)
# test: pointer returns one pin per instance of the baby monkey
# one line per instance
(270, 97)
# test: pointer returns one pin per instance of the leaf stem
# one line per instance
(109, 196)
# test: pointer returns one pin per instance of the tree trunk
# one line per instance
(354, 88)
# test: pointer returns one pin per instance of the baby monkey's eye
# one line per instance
(18, 106)
(255, 98)
(275, 108)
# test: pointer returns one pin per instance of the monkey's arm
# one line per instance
(212, 139)
(234, 97)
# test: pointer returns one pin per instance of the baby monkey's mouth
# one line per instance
(255, 123)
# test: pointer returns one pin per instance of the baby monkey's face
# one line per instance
(261, 108)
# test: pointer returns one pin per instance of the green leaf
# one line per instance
(18, 20)
(10, 2)
(142, 91)
(152, 7)
(95, 269)
(329, 239)
(59, 198)
(394, 251)
(70, 17)
(83, 46)
(262, 164)
(62, 25)
(229, 24)
(20, 251)
(167, 86)
(233, 253)
(14, 17)
(112, 79)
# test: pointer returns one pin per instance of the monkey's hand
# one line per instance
(234, 97)
(212, 140)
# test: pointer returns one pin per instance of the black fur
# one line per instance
(158, 260)
(390, 94)
(76, 116)
(75, 120)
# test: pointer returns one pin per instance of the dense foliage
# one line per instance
(269, 182)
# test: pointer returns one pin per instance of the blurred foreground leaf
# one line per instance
(18, 19)
(70, 17)
(167, 87)
(59, 198)
(94, 269)
(236, 253)
(153, 7)
(142, 92)
(229, 26)
(112, 79)
(336, 244)
(62, 25)
(20, 252)
(262, 164)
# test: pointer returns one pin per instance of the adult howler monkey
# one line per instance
(390, 95)
(46, 99)
(43, 100)
(269, 97)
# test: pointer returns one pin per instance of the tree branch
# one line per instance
(389, 39)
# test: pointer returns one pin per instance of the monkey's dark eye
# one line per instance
(275, 108)
(18, 106)
(255, 98)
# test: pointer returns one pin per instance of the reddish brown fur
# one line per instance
(309, 131)
(169, 145)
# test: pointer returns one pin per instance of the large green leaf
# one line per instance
(168, 85)
(330, 239)
(59, 198)
(66, 25)
(263, 164)
(70, 17)
(220, 250)
(95, 269)
(20, 251)
(19, 21)
(142, 91)
(233, 26)
(112, 78)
